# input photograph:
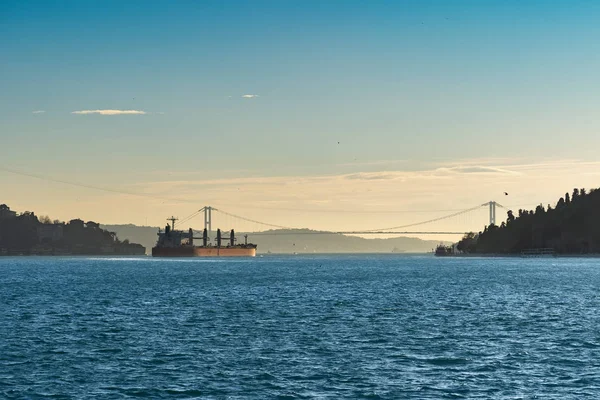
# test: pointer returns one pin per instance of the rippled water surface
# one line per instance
(300, 327)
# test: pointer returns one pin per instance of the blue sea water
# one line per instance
(300, 327)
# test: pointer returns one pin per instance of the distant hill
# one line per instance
(145, 235)
(297, 240)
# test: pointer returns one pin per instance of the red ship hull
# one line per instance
(193, 251)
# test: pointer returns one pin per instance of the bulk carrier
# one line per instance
(177, 243)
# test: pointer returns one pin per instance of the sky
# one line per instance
(334, 115)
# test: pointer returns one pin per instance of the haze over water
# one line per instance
(299, 327)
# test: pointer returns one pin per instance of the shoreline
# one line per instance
(519, 255)
(353, 254)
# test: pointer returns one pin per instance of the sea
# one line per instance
(300, 327)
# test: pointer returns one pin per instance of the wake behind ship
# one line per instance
(176, 243)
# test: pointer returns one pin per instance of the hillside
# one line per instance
(26, 234)
(299, 241)
(572, 226)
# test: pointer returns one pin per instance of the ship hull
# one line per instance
(203, 252)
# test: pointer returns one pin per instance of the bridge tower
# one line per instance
(492, 212)
(208, 219)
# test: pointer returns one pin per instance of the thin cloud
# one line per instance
(374, 176)
(110, 112)
(477, 169)
(370, 163)
(449, 175)
(288, 200)
(249, 96)
(38, 112)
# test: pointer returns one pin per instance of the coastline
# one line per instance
(519, 255)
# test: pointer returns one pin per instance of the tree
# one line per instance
(573, 226)
(510, 217)
(468, 244)
(539, 210)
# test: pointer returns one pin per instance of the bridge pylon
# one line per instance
(208, 219)
(493, 204)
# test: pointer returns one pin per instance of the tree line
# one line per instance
(572, 226)
(25, 233)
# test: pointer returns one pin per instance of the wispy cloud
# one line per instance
(477, 169)
(110, 112)
(38, 112)
(370, 163)
(390, 197)
(375, 176)
(250, 96)
(438, 188)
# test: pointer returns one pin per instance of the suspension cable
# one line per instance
(366, 231)
(428, 221)
(252, 220)
(93, 187)
(189, 217)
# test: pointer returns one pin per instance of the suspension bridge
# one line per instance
(226, 220)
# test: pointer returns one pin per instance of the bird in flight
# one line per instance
(506, 194)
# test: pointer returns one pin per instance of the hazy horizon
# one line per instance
(301, 114)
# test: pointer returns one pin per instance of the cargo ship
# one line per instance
(177, 243)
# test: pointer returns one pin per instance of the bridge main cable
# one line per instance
(388, 230)
(252, 220)
(428, 221)
(355, 233)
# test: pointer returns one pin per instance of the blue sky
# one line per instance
(402, 85)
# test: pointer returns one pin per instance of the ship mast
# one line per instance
(172, 219)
